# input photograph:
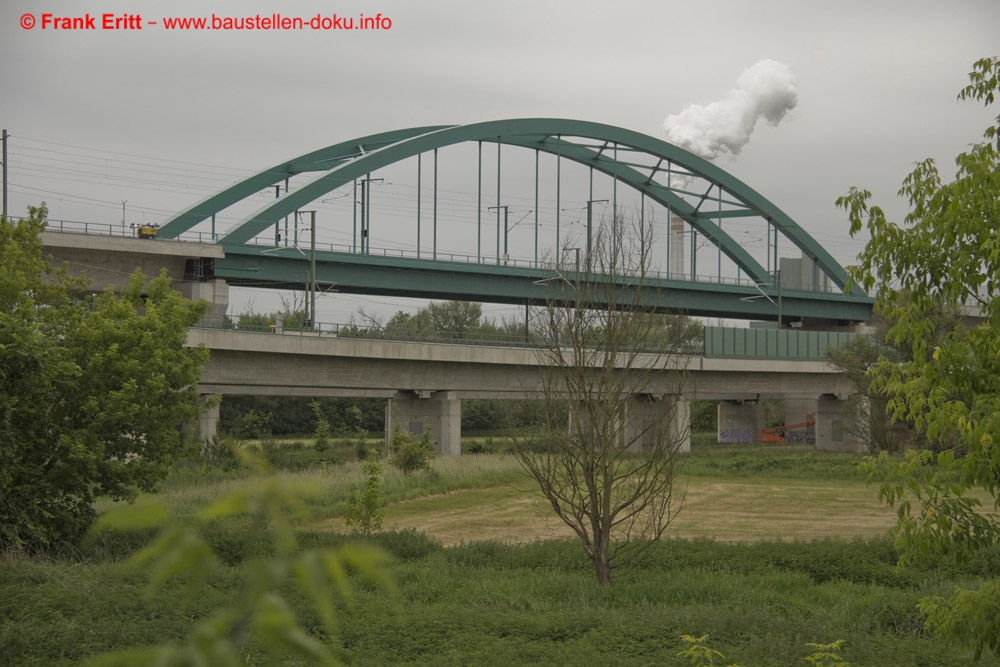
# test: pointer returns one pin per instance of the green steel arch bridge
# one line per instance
(716, 250)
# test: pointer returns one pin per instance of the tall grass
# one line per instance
(491, 603)
(498, 604)
(781, 460)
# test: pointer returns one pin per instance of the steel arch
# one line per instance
(349, 160)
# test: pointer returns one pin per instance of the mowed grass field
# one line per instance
(768, 508)
(730, 494)
(775, 547)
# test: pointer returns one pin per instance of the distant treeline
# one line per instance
(286, 416)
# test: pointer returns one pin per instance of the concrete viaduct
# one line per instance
(425, 382)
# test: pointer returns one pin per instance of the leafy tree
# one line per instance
(322, 432)
(447, 320)
(293, 415)
(946, 253)
(459, 319)
(497, 414)
(254, 425)
(92, 389)
(354, 421)
(406, 326)
(678, 332)
(869, 420)
(607, 474)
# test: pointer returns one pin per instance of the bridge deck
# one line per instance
(258, 363)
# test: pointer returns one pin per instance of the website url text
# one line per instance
(47, 21)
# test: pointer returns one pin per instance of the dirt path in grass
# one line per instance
(721, 509)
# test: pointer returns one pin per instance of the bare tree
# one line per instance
(607, 448)
(367, 325)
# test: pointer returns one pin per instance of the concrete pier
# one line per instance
(798, 411)
(411, 411)
(740, 422)
(832, 425)
(208, 422)
(648, 418)
(215, 291)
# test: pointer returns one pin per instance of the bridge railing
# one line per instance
(117, 230)
(556, 268)
(132, 231)
(714, 342)
(350, 330)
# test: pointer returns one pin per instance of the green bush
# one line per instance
(322, 432)
(220, 452)
(253, 425)
(364, 508)
(361, 449)
(406, 544)
(486, 446)
(704, 416)
(409, 453)
(262, 619)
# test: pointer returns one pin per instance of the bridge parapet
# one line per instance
(716, 342)
(739, 343)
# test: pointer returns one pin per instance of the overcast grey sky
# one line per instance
(876, 89)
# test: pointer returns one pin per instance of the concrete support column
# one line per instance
(833, 425)
(208, 423)
(740, 422)
(410, 411)
(215, 291)
(648, 418)
(798, 411)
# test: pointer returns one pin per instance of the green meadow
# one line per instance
(776, 547)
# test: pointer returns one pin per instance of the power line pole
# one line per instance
(4, 162)
(310, 304)
(506, 230)
(312, 270)
(277, 223)
(590, 226)
(366, 212)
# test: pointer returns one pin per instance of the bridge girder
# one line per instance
(346, 161)
(407, 277)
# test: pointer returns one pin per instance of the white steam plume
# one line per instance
(766, 89)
